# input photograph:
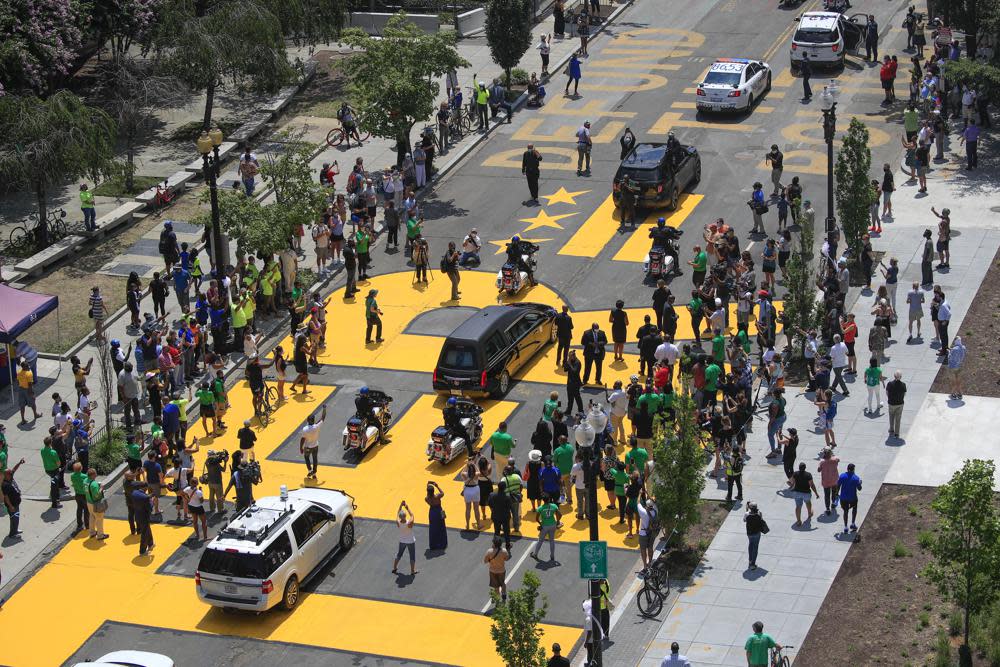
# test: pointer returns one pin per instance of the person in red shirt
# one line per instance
(661, 377)
(885, 75)
(850, 329)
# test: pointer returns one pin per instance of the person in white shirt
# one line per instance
(579, 480)
(647, 540)
(470, 249)
(666, 352)
(838, 357)
(718, 316)
(618, 400)
(309, 442)
(195, 499)
(744, 308)
(675, 659)
(407, 541)
(321, 237)
(915, 299)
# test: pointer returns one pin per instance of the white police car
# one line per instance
(733, 84)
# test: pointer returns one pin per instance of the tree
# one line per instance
(107, 382)
(123, 23)
(252, 225)
(211, 43)
(515, 628)
(966, 549)
(393, 77)
(39, 41)
(47, 142)
(678, 467)
(130, 92)
(984, 77)
(854, 192)
(974, 17)
(299, 198)
(800, 310)
(508, 32)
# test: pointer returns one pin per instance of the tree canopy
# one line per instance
(393, 76)
(49, 141)
(678, 467)
(508, 32)
(854, 192)
(515, 630)
(38, 42)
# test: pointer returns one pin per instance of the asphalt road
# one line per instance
(639, 74)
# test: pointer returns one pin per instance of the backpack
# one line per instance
(445, 264)
(352, 182)
(162, 247)
(654, 523)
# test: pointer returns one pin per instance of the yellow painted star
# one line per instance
(543, 219)
(502, 244)
(561, 196)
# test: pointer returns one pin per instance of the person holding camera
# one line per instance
(215, 465)
(756, 526)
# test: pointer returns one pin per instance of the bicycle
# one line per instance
(338, 134)
(656, 583)
(778, 659)
(24, 237)
(265, 404)
(162, 198)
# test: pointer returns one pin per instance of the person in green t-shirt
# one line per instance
(501, 442)
(78, 480)
(712, 373)
(562, 457)
(551, 405)
(650, 399)
(696, 308)
(719, 347)
(549, 517)
(133, 454)
(874, 381)
(206, 407)
(181, 403)
(636, 458)
(414, 228)
(758, 645)
(95, 496)
(362, 241)
(620, 478)
(699, 265)
(743, 340)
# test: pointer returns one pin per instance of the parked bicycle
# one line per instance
(778, 659)
(339, 134)
(162, 198)
(656, 583)
(264, 404)
(29, 235)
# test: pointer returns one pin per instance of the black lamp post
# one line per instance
(208, 145)
(589, 436)
(828, 99)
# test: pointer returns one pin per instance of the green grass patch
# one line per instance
(109, 452)
(925, 539)
(191, 131)
(925, 619)
(899, 550)
(115, 187)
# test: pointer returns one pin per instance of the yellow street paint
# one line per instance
(502, 244)
(865, 117)
(776, 94)
(672, 119)
(595, 232)
(812, 133)
(634, 62)
(674, 36)
(650, 82)
(528, 133)
(784, 79)
(628, 51)
(543, 219)
(563, 196)
(802, 161)
(559, 105)
(132, 592)
(511, 159)
(636, 246)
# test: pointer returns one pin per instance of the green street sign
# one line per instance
(594, 560)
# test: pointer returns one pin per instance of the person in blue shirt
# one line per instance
(550, 477)
(848, 486)
(757, 207)
(182, 280)
(201, 309)
(185, 257)
(171, 423)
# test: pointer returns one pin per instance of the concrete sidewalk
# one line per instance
(712, 616)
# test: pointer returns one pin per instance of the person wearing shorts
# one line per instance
(321, 237)
(848, 486)
(195, 498)
(802, 485)
(496, 560)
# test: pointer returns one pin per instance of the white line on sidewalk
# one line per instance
(510, 573)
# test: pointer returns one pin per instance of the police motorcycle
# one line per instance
(463, 424)
(661, 260)
(370, 422)
(839, 6)
(519, 269)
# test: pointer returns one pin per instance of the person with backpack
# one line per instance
(168, 247)
(649, 530)
(756, 526)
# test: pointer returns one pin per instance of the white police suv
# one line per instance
(826, 37)
(265, 554)
(733, 84)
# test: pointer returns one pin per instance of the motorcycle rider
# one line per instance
(365, 407)
(453, 421)
(663, 238)
(516, 251)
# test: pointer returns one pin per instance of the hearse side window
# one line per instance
(461, 357)
(495, 344)
(519, 329)
(277, 553)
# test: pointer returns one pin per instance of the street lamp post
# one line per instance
(208, 145)
(590, 428)
(828, 99)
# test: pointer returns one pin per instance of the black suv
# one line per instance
(660, 175)
(482, 354)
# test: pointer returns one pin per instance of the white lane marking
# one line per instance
(510, 573)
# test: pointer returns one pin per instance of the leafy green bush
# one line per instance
(191, 131)
(925, 539)
(519, 77)
(925, 619)
(109, 452)
(899, 550)
(985, 634)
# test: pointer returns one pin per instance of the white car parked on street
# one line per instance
(266, 553)
(733, 84)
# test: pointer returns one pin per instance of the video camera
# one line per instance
(221, 457)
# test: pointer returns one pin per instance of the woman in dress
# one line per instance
(280, 364)
(619, 329)
(532, 477)
(470, 493)
(485, 483)
(437, 532)
(559, 19)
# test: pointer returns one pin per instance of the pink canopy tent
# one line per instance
(19, 310)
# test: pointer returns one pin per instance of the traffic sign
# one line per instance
(594, 560)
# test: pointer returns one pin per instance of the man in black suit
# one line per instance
(573, 382)
(649, 340)
(564, 335)
(530, 163)
(593, 341)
